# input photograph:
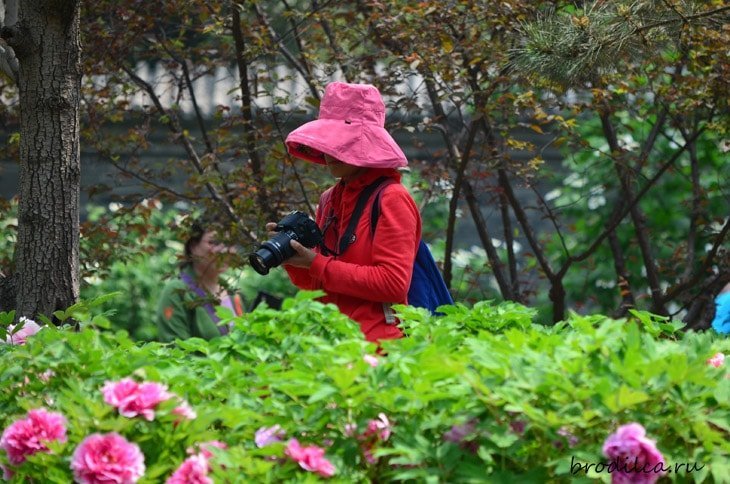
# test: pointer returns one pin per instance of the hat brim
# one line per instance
(352, 142)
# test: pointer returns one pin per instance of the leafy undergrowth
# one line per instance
(478, 395)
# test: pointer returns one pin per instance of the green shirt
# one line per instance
(181, 313)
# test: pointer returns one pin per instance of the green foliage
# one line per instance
(8, 226)
(537, 396)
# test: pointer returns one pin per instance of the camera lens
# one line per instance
(260, 262)
(272, 253)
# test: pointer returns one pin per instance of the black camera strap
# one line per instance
(349, 236)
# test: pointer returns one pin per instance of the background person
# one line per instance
(375, 270)
(186, 305)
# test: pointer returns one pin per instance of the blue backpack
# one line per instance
(428, 289)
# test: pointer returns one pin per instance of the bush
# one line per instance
(480, 393)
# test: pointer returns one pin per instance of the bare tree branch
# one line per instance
(174, 125)
(674, 291)
(684, 18)
(637, 215)
(247, 113)
(454, 204)
(303, 69)
(188, 83)
(339, 55)
(618, 215)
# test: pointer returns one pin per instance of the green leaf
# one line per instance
(194, 345)
(722, 391)
(324, 392)
(624, 398)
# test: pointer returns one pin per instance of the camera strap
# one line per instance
(349, 237)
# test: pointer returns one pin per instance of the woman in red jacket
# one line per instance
(375, 270)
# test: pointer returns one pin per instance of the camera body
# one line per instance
(295, 226)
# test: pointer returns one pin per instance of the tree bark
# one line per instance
(47, 43)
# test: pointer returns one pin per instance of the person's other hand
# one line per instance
(303, 257)
(270, 229)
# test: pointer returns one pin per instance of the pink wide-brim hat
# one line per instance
(350, 127)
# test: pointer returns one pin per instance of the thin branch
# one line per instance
(527, 228)
(454, 158)
(509, 243)
(339, 55)
(696, 210)
(247, 113)
(637, 216)
(147, 181)
(708, 13)
(697, 305)
(619, 215)
(302, 69)
(189, 87)
(174, 125)
(619, 263)
(298, 177)
(551, 216)
(454, 203)
(674, 8)
(297, 37)
(703, 269)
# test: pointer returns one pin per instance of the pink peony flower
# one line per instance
(380, 427)
(184, 410)
(29, 328)
(268, 435)
(310, 458)
(572, 439)
(350, 429)
(107, 458)
(370, 458)
(193, 470)
(29, 435)
(7, 473)
(634, 454)
(717, 360)
(132, 398)
(206, 446)
(371, 360)
(46, 376)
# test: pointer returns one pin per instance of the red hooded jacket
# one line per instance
(374, 272)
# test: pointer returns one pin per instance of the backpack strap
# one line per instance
(375, 211)
(349, 237)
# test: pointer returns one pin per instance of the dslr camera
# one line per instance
(295, 226)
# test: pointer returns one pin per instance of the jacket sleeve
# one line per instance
(301, 278)
(393, 253)
(172, 316)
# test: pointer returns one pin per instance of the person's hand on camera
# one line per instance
(270, 232)
(303, 257)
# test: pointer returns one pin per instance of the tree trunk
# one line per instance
(47, 43)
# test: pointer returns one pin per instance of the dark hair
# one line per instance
(198, 228)
(196, 234)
